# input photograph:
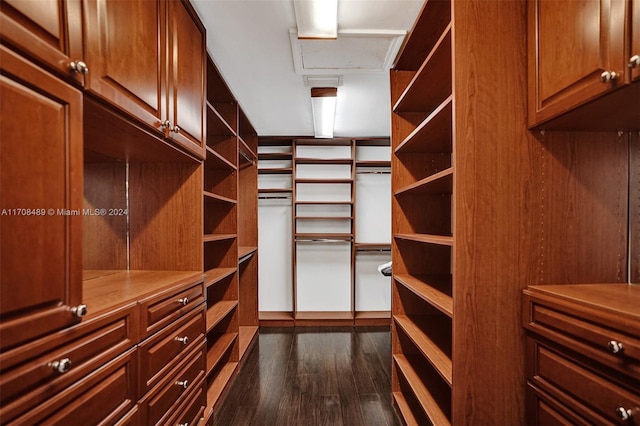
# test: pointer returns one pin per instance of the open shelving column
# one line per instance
(323, 215)
(422, 185)
(230, 236)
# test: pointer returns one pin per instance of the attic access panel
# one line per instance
(352, 52)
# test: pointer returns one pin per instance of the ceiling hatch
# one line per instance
(352, 52)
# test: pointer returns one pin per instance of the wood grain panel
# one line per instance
(493, 202)
(165, 216)
(41, 254)
(582, 190)
(634, 208)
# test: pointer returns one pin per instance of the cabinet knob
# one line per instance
(176, 129)
(166, 124)
(79, 311)
(61, 366)
(608, 76)
(182, 383)
(624, 413)
(183, 424)
(634, 61)
(184, 340)
(79, 67)
(184, 301)
(615, 347)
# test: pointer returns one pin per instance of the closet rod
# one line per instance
(384, 172)
(381, 250)
(282, 197)
(249, 159)
(321, 240)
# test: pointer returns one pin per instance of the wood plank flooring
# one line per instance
(313, 376)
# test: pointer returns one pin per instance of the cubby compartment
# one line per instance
(220, 182)
(433, 217)
(219, 217)
(221, 253)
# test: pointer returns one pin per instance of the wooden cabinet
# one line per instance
(634, 51)
(578, 52)
(157, 75)
(583, 353)
(462, 208)
(40, 202)
(48, 31)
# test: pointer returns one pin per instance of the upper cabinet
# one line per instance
(147, 58)
(578, 51)
(187, 87)
(48, 31)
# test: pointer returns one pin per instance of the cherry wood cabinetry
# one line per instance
(634, 51)
(158, 75)
(583, 353)
(462, 209)
(579, 51)
(48, 31)
(40, 291)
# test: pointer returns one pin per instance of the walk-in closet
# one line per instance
(319, 212)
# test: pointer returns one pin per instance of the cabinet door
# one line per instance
(186, 63)
(635, 40)
(571, 45)
(41, 170)
(124, 51)
(49, 31)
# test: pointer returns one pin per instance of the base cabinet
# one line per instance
(583, 357)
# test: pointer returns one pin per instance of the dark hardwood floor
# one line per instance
(313, 376)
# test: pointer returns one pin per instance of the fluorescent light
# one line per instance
(323, 106)
(317, 18)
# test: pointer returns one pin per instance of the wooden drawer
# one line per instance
(161, 403)
(36, 372)
(192, 409)
(544, 410)
(592, 337)
(158, 351)
(164, 307)
(579, 386)
(103, 397)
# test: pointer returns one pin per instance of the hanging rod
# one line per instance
(370, 249)
(385, 172)
(274, 197)
(321, 240)
(249, 159)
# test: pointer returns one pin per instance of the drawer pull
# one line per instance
(615, 347)
(79, 311)
(184, 340)
(184, 301)
(61, 366)
(624, 413)
(182, 383)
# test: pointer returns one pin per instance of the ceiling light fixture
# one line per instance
(317, 18)
(323, 106)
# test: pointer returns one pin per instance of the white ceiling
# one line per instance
(250, 43)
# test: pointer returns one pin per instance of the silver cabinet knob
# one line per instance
(79, 67)
(184, 340)
(79, 311)
(183, 424)
(166, 124)
(184, 301)
(634, 61)
(182, 383)
(624, 413)
(176, 129)
(615, 347)
(608, 76)
(61, 366)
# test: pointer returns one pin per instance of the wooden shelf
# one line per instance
(275, 155)
(434, 289)
(430, 348)
(275, 171)
(216, 124)
(322, 203)
(216, 275)
(218, 311)
(216, 160)
(434, 77)
(349, 181)
(405, 409)
(220, 347)
(434, 134)
(245, 337)
(217, 387)
(245, 252)
(372, 315)
(319, 236)
(424, 397)
(274, 190)
(218, 237)
(426, 238)
(326, 161)
(439, 183)
(219, 198)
